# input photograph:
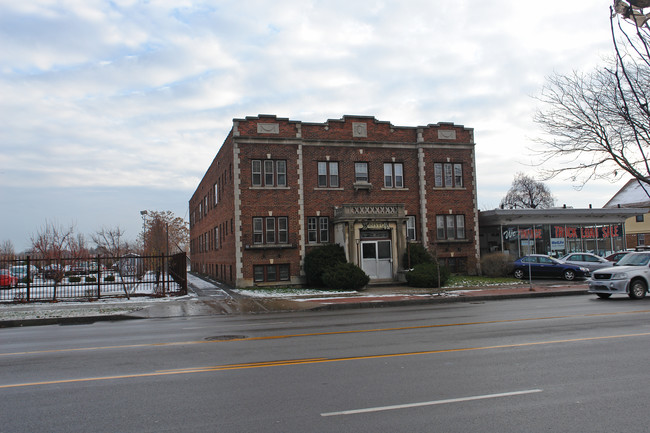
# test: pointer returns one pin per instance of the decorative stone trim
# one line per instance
(268, 128)
(446, 134)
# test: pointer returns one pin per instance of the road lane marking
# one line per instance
(305, 361)
(431, 403)
(319, 334)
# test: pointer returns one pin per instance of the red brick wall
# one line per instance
(333, 141)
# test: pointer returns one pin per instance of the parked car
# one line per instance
(547, 267)
(630, 276)
(586, 260)
(7, 281)
(617, 256)
(20, 272)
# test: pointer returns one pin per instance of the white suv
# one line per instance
(631, 276)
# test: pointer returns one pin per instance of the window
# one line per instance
(410, 228)
(270, 230)
(328, 174)
(216, 193)
(281, 173)
(258, 230)
(361, 172)
(394, 175)
(639, 218)
(269, 172)
(447, 175)
(640, 239)
(216, 238)
(318, 230)
(450, 226)
(271, 273)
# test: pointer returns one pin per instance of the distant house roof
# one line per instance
(633, 194)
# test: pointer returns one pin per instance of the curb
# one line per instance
(80, 320)
(483, 298)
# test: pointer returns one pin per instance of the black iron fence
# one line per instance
(30, 279)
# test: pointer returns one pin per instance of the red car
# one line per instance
(7, 281)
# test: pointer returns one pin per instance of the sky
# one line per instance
(108, 108)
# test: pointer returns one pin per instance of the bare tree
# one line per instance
(165, 232)
(110, 241)
(7, 251)
(527, 193)
(53, 243)
(598, 123)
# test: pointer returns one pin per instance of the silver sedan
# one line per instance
(587, 260)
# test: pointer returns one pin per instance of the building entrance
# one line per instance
(376, 259)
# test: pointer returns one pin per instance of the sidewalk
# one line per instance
(45, 313)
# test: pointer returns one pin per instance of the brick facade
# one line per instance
(272, 203)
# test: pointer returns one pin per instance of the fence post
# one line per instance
(99, 276)
(29, 268)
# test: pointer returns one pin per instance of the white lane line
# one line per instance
(430, 403)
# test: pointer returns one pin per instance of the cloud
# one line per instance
(128, 94)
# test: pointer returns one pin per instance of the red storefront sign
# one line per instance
(587, 232)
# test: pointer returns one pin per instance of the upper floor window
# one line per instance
(447, 175)
(216, 193)
(269, 172)
(270, 230)
(361, 172)
(394, 175)
(450, 226)
(410, 228)
(328, 174)
(318, 230)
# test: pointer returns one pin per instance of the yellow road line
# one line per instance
(304, 361)
(318, 334)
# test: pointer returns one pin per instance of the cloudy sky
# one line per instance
(108, 108)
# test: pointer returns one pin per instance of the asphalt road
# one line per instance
(530, 365)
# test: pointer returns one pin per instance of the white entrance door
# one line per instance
(377, 260)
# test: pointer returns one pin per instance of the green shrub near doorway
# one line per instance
(415, 255)
(426, 275)
(345, 276)
(319, 260)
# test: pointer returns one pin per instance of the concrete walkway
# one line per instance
(217, 299)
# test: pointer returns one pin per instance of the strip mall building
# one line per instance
(555, 231)
(279, 187)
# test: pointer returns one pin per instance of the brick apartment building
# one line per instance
(278, 187)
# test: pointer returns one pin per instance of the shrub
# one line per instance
(416, 255)
(319, 260)
(345, 276)
(109, 278)
(91, 279)
(426, 275)
(496, 265)
(74, 279)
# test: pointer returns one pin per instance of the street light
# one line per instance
(143, 213)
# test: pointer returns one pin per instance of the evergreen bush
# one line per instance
(319, 260)
(416, 255)
(345, 276)
(426, 275)
(74, 279)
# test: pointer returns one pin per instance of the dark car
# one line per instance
(617, 256)
(543, 266)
